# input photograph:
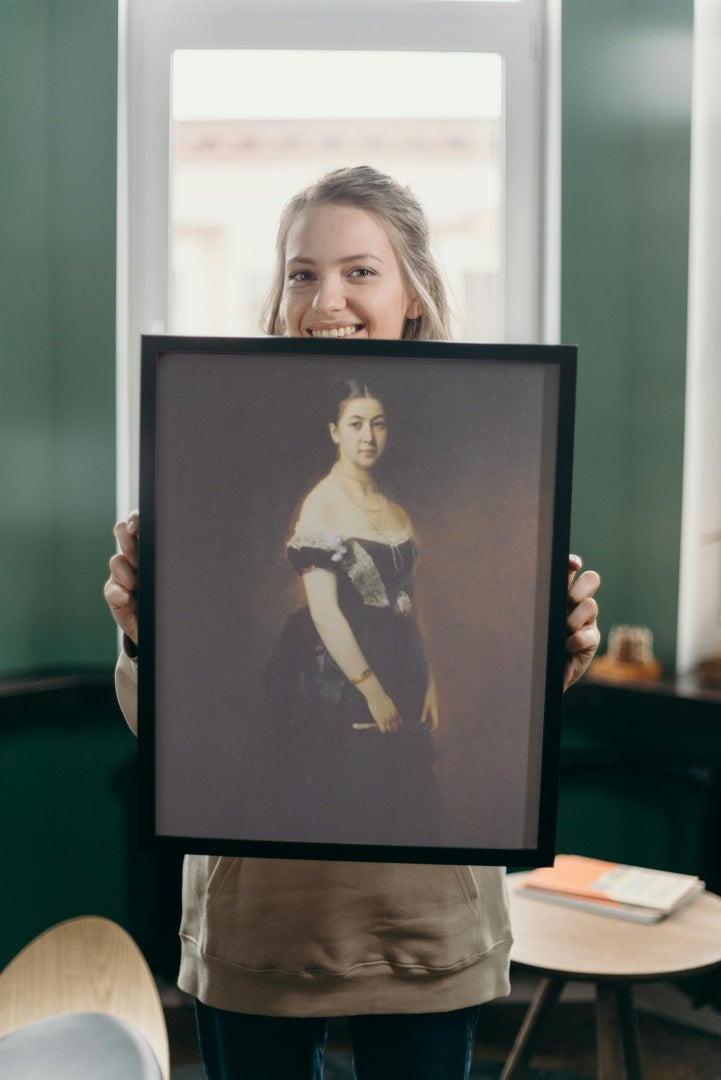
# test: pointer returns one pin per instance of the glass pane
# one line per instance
(250, 128)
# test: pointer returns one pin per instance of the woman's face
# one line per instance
(360, 433)
(342, 277)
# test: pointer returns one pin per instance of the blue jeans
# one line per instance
(416, 1046)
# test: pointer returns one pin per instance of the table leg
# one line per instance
(617, 1033)
(545, 997)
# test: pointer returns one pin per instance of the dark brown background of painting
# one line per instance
(240, 440)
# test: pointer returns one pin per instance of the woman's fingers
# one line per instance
(583, 613)
(430, 717)
(391, 723)
(575, 562)
(121, 587)
(123, 607)
(582, 634)
(123, 572)
(126, 534)
(388, 719)
(582, 587)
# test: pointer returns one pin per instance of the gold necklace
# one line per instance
(377, 526)
(380, 509)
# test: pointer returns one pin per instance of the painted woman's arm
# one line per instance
(334, 630)
(430, 713)
(430, 716)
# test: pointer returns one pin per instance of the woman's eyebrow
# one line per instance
(359, 258)
(362, 256)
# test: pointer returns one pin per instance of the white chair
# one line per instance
(80, 1002)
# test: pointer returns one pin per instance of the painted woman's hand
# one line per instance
(583, 635)
(430, 716)
(122, 585)
(381, 707)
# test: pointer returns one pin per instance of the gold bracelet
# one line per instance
(362, 677)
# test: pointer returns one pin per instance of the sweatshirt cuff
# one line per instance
(130, 649)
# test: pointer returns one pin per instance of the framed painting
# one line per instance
(352, 597)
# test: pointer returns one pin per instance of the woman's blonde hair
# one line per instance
(403, 217)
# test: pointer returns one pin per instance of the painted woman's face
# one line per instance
(360, 433)
(342, 277)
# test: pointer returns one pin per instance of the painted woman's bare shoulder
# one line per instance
(396, 517)
(318, 507)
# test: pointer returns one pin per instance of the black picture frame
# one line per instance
(480, 446)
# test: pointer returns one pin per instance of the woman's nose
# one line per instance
(329, 295)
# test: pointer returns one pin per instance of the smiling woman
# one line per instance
(353, 259)
(341, 294)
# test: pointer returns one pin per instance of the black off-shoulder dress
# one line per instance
(314, 765)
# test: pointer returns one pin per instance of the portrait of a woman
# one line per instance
(348, 702)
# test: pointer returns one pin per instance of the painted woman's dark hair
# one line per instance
(345, 388)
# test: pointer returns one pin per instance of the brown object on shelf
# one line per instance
(709, 671)
(630, 656)
(605, 667)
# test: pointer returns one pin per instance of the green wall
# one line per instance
(626, 146)
(58, 72)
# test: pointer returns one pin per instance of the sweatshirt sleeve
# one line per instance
(126, 688)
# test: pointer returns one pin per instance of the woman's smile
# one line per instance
(335, 331)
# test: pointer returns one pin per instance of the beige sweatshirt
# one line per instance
(298, 938)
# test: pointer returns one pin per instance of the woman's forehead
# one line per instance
(333, 231)
(364, 407)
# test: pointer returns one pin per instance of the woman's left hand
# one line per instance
(583, 636)
(429, 715)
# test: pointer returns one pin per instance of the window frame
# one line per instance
(526, 34)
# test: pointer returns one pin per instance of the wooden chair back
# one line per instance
(87, 964)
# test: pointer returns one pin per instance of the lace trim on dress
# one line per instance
(332, 541)
(351, 557)
(364, 576)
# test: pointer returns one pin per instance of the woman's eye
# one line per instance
(300, 276)
(362, 272)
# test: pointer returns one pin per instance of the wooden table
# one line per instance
(563, 944)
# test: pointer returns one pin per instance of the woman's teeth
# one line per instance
(337, 331)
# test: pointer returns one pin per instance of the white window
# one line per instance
(699, 622)
(227, 107)
(235, 161)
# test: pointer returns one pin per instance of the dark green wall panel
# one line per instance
(68, 804)
(26, 493)
(58, 79)
(626, 146)
(68, 848)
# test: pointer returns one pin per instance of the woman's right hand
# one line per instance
(122, 585)
(381, 707)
